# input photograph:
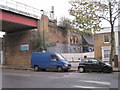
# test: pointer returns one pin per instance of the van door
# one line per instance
(54, 62)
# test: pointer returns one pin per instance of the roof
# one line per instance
(108, 29)
(88, 40)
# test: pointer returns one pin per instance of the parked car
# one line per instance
(48, 60)
(92, 64)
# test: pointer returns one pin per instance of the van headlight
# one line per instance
(65, 64)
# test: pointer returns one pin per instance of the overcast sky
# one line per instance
(60, 6)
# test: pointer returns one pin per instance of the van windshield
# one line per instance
(61, 57)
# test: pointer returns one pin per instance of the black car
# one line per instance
(91, 64)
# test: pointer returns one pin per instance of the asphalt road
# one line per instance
(31, 79)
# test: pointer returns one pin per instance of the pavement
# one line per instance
(116, 69)
(73, 68)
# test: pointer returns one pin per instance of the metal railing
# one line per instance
(20, 8)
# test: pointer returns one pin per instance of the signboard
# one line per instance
(24, 47)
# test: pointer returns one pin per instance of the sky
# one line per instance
(60, 6)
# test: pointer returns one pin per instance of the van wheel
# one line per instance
(36, 68)
(59, 69)
(81, 69)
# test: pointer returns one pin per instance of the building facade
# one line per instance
(102, 44)
(63, 40)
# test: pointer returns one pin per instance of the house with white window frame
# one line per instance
(102, 43)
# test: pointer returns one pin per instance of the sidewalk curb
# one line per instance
(72, 69)
(114, 70)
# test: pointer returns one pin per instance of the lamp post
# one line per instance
(43, 31)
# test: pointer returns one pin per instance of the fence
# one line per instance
(77, 56)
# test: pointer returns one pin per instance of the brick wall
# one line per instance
(98, 43)
(56, 33)
(13, 55)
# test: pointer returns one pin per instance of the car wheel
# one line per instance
(43, 69)
(66, 70)
(106, 70)
(59, 69)
(36, 68)
(81, 69)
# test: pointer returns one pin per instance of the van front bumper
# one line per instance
(66, 67)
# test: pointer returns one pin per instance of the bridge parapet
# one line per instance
(20, 8)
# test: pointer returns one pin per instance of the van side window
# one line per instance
(54, 57)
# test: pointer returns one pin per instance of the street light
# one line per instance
(43, 31)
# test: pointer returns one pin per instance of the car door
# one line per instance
(95, 66)
(90, 64)
(86, 64)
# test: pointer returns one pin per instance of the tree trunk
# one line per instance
(112, 44)
(112, 33)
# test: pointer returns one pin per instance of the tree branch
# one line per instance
(115, 12)
(116, 16)
(104, 18)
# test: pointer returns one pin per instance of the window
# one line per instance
(106, 53)
(74, 40)
(106, 39)
(84, 60)
(94, 61)
(54, 57)
(60, 57)
(71, 40)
